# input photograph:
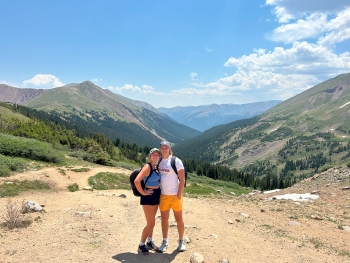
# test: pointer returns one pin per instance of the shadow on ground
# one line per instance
(153, 257)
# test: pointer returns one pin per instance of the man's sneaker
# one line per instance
(182, 246)
(163, 246)
(143, 250)
(151, 246)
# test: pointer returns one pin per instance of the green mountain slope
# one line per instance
(312, 127)
(100, 110)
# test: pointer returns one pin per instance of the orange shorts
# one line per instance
(170, 201)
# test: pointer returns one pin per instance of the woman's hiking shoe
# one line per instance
(182, 246)
(143, 250)
(163, 246)
(151, 246)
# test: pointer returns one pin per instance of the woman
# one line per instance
(149, 199)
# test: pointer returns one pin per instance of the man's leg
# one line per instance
(180, 223)
(165, 222)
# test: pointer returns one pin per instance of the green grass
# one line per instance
(202, 185)
(317, 242)
(108, 181)
(16, 187)
(344, 253)
(80, 170)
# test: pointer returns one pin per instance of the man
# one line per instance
(172, 185)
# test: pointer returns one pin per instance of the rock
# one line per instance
(314, 192)
(237, 219)
(187, 239)
(84, 214)
(346, 188)
(30, 207)
(346, 228)
(316, 217)
(122, 196)
(214, 236)
(245, 215)
(230, 222)
(294, 223)
(89, 188)
(197, 258)
(232, 193)
(224, 260)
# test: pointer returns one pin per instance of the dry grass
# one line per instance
(13, 215)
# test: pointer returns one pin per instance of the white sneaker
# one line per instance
(182, 246)
(163, 246)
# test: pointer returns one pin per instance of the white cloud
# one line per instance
(209, 49)
(311, 27)
(3, 82)
(96, 80)
(285, 10)
(193, 75)
(301, 58)
(145, 89)
(43, 81)
(316, 25)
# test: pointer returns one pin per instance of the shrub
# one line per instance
(13, 216)
(29, 148)
(73, 187)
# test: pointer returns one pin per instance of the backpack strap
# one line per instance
(150, 166)
(173, 163)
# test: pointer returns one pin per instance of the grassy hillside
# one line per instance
(99, 110)
(298, 137)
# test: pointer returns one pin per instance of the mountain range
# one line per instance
(204, 117)
(100, 110)
(298, 135)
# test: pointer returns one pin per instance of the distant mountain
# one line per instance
(16, 95)
(297, 136)
(204, 117)
(99, 110)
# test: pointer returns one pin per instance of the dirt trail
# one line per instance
(216, 227)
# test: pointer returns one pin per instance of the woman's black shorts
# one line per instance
(152, 199)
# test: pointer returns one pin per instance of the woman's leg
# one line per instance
(150, 212)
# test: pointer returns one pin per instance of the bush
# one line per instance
(29, 148)
(4, 171)
(8, 164)
(73, 187)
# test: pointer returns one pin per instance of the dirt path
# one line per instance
(216, 227)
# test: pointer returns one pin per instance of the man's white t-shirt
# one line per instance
(169, 181)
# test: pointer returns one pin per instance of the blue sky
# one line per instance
(176, 53)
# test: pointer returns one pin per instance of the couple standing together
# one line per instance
(163, 188)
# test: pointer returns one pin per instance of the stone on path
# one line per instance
(197, 258)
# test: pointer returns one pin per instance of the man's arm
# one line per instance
(181, 175)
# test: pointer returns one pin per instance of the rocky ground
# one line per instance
(102, 226)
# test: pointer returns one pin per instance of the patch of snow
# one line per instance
(296, 197)
(344, 105)
(272, 191)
